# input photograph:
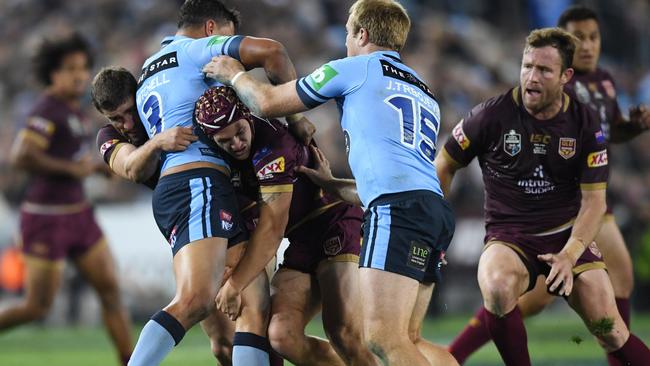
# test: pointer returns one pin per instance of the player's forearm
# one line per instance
(278, 66)
(261, 248)
(37, 161)
(141, 163)
(586, 226)
(624, 131)
(266, 100)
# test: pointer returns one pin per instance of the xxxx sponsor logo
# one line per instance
(107, 145)
(459, 136)
(597, 159)
(267, 171)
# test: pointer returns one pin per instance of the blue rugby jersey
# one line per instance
(390, 121)
(172, 81)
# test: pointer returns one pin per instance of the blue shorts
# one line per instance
(407, 233)
(197, 204)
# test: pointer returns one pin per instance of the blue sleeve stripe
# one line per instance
(306, 99)
(231, 47)
(313, 92)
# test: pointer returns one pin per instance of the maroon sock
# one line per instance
(275, 359)
(623, 306)
(633, 353)
(509, 335)
(473, 337)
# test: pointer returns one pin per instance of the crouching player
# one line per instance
(320, 265)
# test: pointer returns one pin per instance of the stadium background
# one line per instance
(466, 50)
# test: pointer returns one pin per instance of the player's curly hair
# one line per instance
(386, 22)
(196, 12)
(111, 87)
(563, 41)
(51, 52)
(575, 14)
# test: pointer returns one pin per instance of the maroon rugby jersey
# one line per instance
(60, 131)
(533, 170)
(275, 154)
(598, 91)
(110, 140)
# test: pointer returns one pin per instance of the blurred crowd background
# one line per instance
(466, 50)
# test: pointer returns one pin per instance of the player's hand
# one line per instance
(301, 128)
(640, 116)
(175, 139)
(321, 175)
(560, 278)
(83, 167)
(228, 300)
(223, 69)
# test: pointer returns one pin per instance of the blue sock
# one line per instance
(157, 339)
(250, 350)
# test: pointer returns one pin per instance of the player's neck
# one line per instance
(191, 32)
(371, 48)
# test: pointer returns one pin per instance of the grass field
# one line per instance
(551, 341)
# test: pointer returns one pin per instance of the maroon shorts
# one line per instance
(528, 246)
(57, 236)
(333, 236)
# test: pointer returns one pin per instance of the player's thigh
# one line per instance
(97, 266)
(295, 292)
(501, 271)
(199, 265)
(616, 256)
(534, 301)
(42, 281)
(388, 301)
(593, 299)
(420, 310)
(339, 287)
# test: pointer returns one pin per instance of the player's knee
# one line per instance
(283, 337)
(499, 294)
(608, 335)
(109, 297)
(222, 350)
(195, 305)
(346, 337)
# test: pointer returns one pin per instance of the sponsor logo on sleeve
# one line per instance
(267, 171)
(459, 136)
(600, 137)
(107, 145)
(597, 159)
(216, 40)
(321, 76)
(41, 125)
(512, 143)
(567, 147)
(226, 220)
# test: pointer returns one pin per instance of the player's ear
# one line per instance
(364, 37)
(566, 75)
(210, 27)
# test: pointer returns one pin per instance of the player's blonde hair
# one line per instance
(386, 21)
(563, 41)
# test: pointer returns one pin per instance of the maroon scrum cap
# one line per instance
(217, 108)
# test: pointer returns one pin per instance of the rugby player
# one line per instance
(544, 163)
(126, 148)
(193, 201)
(320, 264)
(594, 87)
(390, 121)
(56, 220)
